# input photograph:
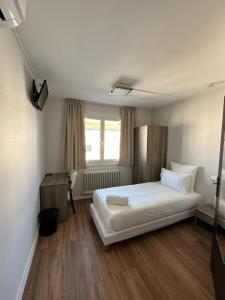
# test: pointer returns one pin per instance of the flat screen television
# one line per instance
(39, 98)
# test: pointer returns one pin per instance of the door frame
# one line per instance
(217, 261)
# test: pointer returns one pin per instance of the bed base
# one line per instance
(109, 238)
(221, 222)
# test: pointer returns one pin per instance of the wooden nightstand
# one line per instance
(205, 213)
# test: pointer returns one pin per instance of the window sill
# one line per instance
(101, 163)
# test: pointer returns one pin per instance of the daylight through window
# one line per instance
(102, 140)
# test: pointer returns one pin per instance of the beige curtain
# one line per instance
(74, 135)
(128, 119)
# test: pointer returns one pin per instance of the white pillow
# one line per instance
(177, 181)
(186, 169)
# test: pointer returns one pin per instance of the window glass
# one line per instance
(92, 137)
(111, 140)
(102, 139)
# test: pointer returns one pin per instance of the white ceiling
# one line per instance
(82, 47)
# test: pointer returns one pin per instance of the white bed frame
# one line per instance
(109, 238)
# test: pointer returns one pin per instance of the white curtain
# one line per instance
(128, 119)
(74, 135)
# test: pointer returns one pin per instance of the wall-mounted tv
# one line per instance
(39, 98)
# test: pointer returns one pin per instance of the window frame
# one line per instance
(102, 161)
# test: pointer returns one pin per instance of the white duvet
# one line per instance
(147, 202)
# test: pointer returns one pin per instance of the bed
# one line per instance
(151, 206)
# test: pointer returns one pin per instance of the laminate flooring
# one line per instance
(169, 263)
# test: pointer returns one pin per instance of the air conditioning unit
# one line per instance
(12, 12)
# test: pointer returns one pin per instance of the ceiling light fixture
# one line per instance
(212, 84)
(123, 90)
(120, 90)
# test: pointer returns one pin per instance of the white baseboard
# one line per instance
(27, 268)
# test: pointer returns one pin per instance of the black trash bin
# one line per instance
(48, 219)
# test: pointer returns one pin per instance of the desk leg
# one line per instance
(71, 201)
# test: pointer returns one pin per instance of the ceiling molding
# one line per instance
(24, 52)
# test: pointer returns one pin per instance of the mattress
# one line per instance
(147, 202)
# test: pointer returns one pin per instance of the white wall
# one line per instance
(21, 166)
(194, 133)
(54, 132)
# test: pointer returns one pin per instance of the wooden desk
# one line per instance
(53, 193)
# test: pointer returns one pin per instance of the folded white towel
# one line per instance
(117, 200)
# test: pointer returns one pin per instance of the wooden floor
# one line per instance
(170, 263)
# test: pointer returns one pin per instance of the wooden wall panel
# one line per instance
(156, 151)
(140, 154)
(150, 152)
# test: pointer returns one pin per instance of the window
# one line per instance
(93, 138)
(112, 140)
(102, 140)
